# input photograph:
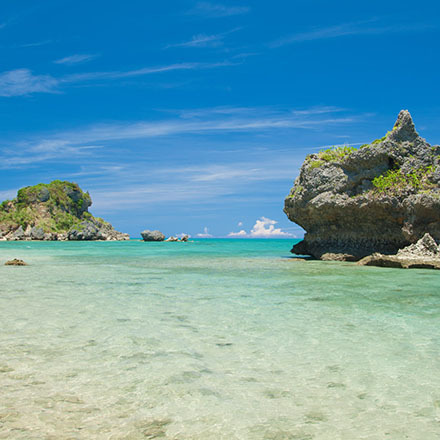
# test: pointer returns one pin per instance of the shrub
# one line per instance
(336, 154)
(395, 180)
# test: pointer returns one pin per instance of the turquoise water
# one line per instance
(216, 339)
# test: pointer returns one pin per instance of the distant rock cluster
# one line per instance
(156, 235)
(54, 211)
(379, 198)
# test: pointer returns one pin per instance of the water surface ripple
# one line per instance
(216, 339)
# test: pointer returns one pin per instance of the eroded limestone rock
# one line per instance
(380, 197)
(425, 254)
(155, 235)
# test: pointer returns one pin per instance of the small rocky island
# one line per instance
(378, 198)
(54, 211)
(156, 235)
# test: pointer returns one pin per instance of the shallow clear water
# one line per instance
(216, 339)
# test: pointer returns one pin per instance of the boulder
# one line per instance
(379, 198)
(43, 195)
(425, 254)
(84, 231)
(172, 238)
(37, 233)
(156, 235)
(18, 234)
(15, 262)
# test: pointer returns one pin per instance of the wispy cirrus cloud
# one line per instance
(367, 27)
(76, 59)
(20, 82)
(90, 141)
(35, 44)
(200, 40)
(203, 40)
(208, 9)
(204, 234)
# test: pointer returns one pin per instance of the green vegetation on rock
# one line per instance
(394, 181)
(54, 207)
(334, 154)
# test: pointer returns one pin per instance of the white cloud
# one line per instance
(367, 27)
(35, 44)
(91, 140)
(208, 9)
(264, 228)
(241, 233)
(205, 233)
(75, 59)
(21, 82)
(201, 40)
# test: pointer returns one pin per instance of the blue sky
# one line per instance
(195, 116)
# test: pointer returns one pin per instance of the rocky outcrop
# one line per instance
(54, 211)
(381, 197)
(15, 262)
(184, 238)
(156, 235)
(425, 254)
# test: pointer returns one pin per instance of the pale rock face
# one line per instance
(425, 254)
(336, 202)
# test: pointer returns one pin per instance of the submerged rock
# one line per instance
(378, 198)
(155, 235)
(54, 211)
(15, 262)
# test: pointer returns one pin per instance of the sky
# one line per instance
(195, 116)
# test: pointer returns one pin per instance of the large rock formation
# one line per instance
(155, 235)
(54, 211)
(380, 197)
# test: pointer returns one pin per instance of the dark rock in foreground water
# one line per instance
(156, 235)
(54, 211)
(15, 262)
(380, 197)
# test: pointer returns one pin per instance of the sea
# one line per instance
(214, 339)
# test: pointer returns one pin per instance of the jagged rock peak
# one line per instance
(380, 197)
(404, 129)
